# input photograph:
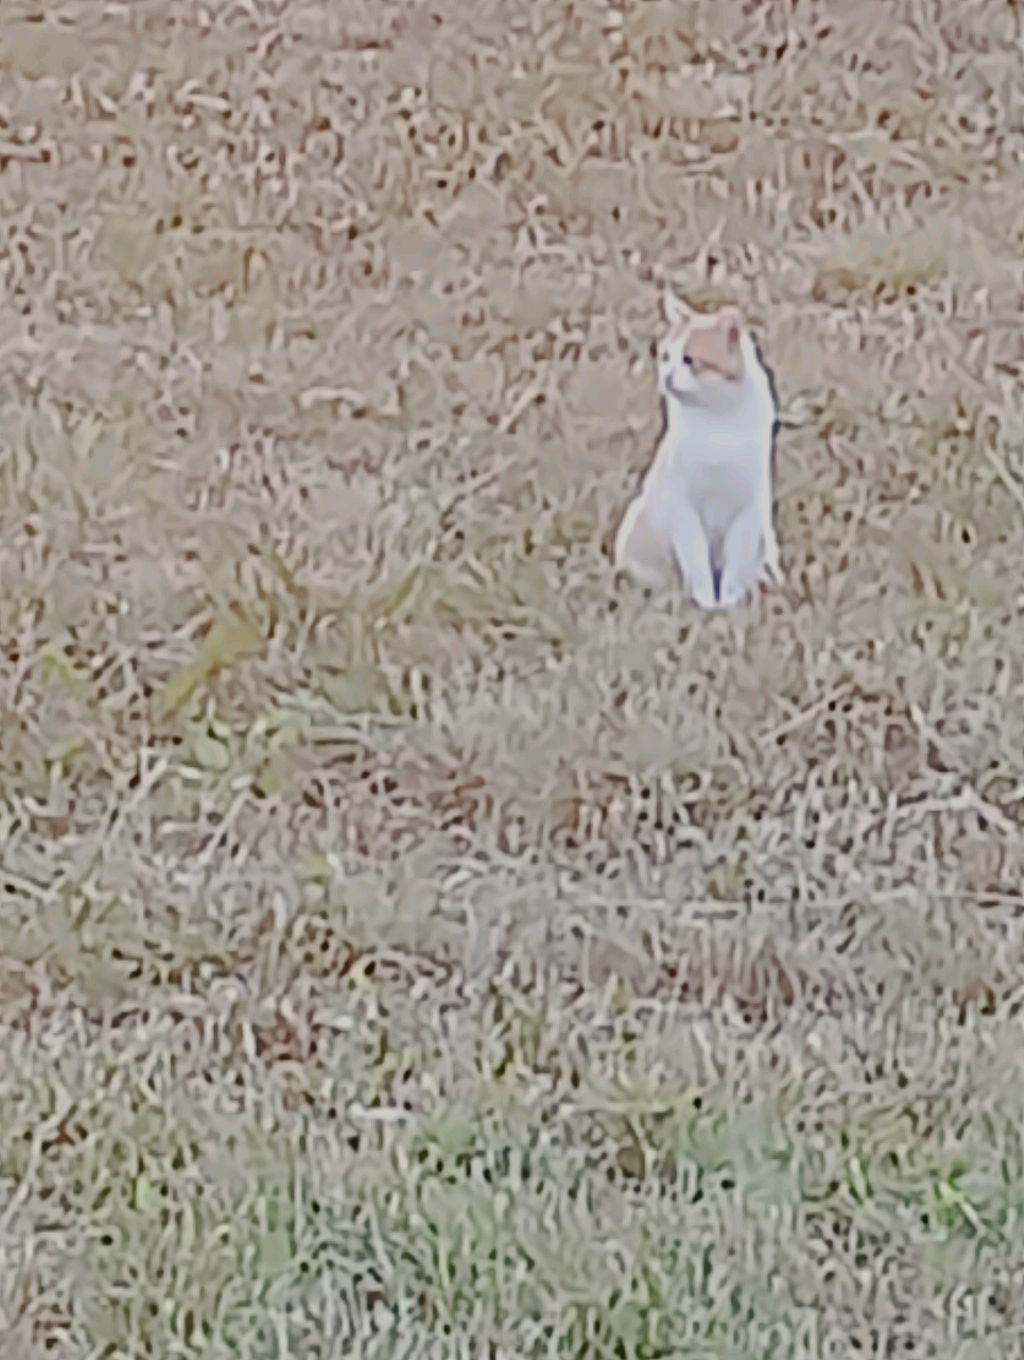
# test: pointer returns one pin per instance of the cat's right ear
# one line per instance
(676, 311)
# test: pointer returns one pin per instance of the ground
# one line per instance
(414, 941)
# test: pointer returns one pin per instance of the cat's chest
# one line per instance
(719, 471)
(703, 453)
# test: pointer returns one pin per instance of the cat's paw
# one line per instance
(704, 596)
(733, 595)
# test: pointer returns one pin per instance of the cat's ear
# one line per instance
(731, 324)
(676, 311)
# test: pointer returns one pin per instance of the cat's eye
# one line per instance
(688, 360)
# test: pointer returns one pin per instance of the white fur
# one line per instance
(706, 501)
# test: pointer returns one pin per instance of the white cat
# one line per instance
(705, 507)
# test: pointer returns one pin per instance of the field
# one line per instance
(413, 941)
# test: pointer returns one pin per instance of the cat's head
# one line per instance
(701, 360)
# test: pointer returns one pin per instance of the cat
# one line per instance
(705, 507)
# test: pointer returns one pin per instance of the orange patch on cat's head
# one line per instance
(711, 341)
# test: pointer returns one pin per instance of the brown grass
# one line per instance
(413, 942)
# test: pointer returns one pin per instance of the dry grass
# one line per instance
(412, 941)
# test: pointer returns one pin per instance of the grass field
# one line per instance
(413, 942)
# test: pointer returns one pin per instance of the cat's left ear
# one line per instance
(731, 322)
(676, 311)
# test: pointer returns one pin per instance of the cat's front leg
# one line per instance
(692, 551)
(743, 556)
